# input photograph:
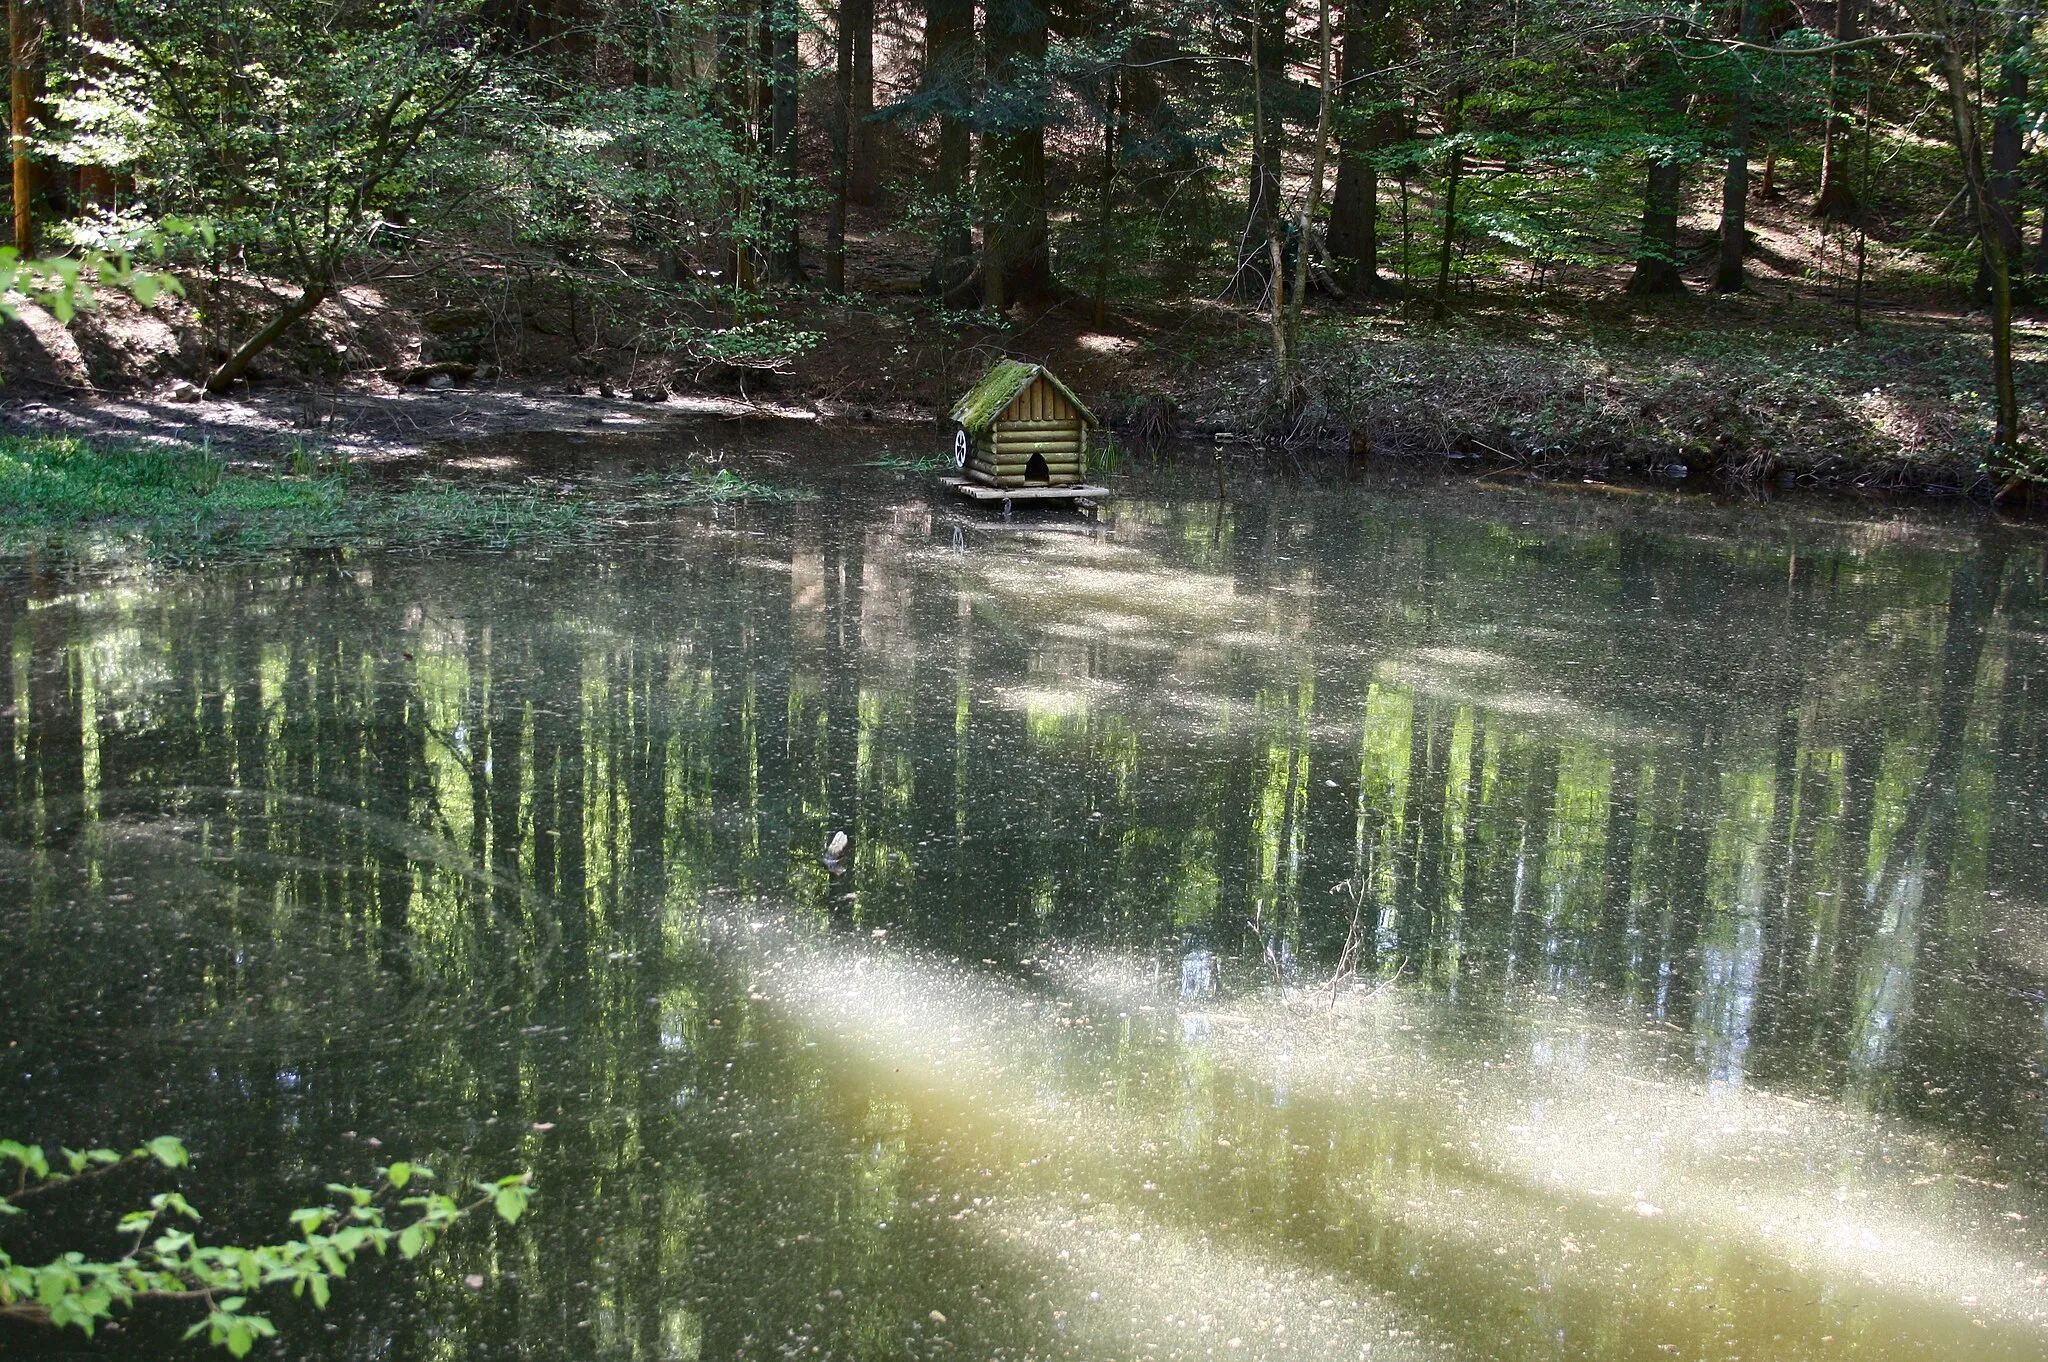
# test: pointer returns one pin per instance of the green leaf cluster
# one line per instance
(166, 1262)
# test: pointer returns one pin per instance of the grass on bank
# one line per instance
(701, 487)
(186, 503)
(911, 463)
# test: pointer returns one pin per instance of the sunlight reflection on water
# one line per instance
(1691, 955)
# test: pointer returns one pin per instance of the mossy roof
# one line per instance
(997, 388)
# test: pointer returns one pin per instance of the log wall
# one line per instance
(1038, 421)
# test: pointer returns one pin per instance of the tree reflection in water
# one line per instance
(1714, 841)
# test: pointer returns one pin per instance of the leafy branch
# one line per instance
(64, 283)
(79, 1165)
(165, 1261)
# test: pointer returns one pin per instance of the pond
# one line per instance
(1324, 921)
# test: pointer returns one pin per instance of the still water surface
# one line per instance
(1347, 922)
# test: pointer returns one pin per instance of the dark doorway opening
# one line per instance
(1035, 472)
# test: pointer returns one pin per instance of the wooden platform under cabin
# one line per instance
(975, 491)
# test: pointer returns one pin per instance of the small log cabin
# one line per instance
(1021, 427)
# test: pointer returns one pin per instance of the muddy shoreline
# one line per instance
(393, 430)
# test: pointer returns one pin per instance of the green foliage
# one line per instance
(695, 487)
(995, 389)
(64, 284)
(665, 162)
(1106, 454)
(62, 480)
(303, 130)
(914, 463)
(322, 136)
(436, 513)
(166, 1262)
(124, 260)
(763, 344)
(934, 217)
(32, 1167)
(956, 321)
(187, 503)
(305, 459)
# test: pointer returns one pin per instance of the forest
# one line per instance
(1764, 239)
(1024, 681)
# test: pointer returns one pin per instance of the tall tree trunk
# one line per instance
(24, 44)
(1863, 209)
(1453, 172)
(1657, 250)
(1170, 173)
(1407, 256)
(1729, 274)
(1286, 382)
(1269, 75)
(1288, 386)
(949, 79)
(1016, 248)
(734, 76)
(2041, 244)
(1656, 267)
(2008, 148)
(1266, 231)
(1837, 201)
(841, 127)
(1992, 235)
(782, 19)
(864, 148)
(1105, 198)
(237, 364)
(1311, 201)
(1355, 206)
